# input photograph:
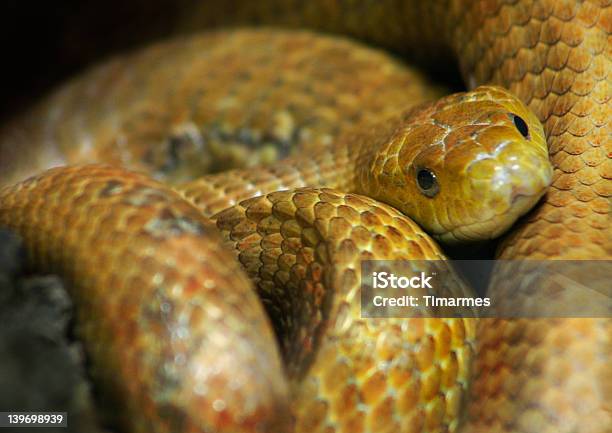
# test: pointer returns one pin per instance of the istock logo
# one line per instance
(383, 280)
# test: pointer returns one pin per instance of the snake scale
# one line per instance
(189, 354)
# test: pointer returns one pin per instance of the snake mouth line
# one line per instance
(513, 213)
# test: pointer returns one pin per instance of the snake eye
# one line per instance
(427, 182)
(521, 125)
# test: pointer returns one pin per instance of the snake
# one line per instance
(557, 39)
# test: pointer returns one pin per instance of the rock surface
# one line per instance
(42, 368)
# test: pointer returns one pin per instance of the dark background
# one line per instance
(46, 42)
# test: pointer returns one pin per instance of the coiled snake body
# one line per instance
(182, 352)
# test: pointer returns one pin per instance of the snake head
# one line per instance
(467, 166)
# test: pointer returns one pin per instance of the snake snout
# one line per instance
(507, 185)
(533, 187)
(527, 185)
(527, 174)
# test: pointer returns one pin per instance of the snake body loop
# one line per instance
(302, 248)
(158, 343)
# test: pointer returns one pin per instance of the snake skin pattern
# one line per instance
(302, 249)
(555, 56)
